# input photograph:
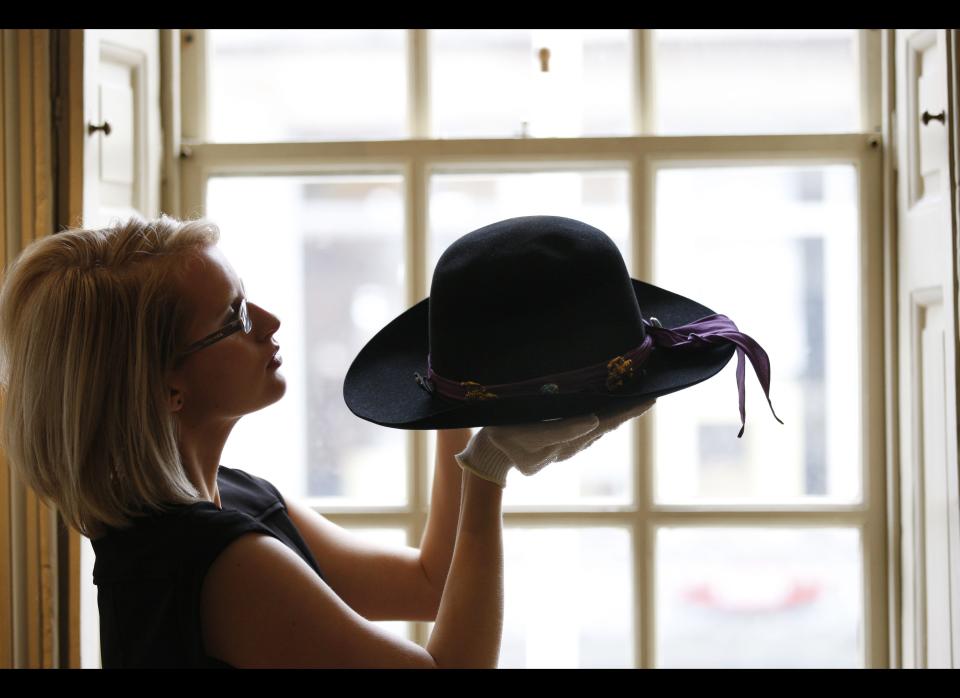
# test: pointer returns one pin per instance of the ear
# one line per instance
(175, 400)
(175, 392)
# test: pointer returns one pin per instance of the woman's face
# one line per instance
(233, 376)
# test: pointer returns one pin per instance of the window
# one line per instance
(735, 167)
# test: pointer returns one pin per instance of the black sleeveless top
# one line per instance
(149, 576)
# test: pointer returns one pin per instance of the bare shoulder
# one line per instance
(263, 606)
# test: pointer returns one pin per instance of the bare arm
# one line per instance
(436, 546)
(263, 606)
(469, 626)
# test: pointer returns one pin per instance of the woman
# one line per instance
(128, 356)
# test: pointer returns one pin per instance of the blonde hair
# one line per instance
(90, 323)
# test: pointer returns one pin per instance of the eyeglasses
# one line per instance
(242, 322)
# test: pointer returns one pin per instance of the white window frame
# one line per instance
(417, 158)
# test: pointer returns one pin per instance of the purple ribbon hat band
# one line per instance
(608, 376)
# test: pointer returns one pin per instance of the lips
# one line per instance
(274, 356)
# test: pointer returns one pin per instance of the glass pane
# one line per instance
(489, 83)
(324, 254)
(568, 599)
(395, 538)
(759, 598)
(306, 84)
(775, 249)
(461, 203)
(737, 81)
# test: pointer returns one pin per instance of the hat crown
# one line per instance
(530, 296)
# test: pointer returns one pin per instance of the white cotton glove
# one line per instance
(492, 451)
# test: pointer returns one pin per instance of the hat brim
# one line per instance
(380, 387)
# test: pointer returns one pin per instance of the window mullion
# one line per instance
(194, 69)
(418, 83)
(171, 114)
(870, 79)
(643, 82)
(416, 206)
(641, 204)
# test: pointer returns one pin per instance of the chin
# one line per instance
(276, 389)
(281, 388)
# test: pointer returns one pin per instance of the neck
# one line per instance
(200, 449)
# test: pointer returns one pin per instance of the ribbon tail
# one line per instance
(741, 374)
(715, 329)
(761, 366)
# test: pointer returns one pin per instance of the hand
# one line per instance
(492, 451)
(609, 420)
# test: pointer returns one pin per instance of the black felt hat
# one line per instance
(535, 318)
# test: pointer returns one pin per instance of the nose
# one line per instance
(265, 323)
